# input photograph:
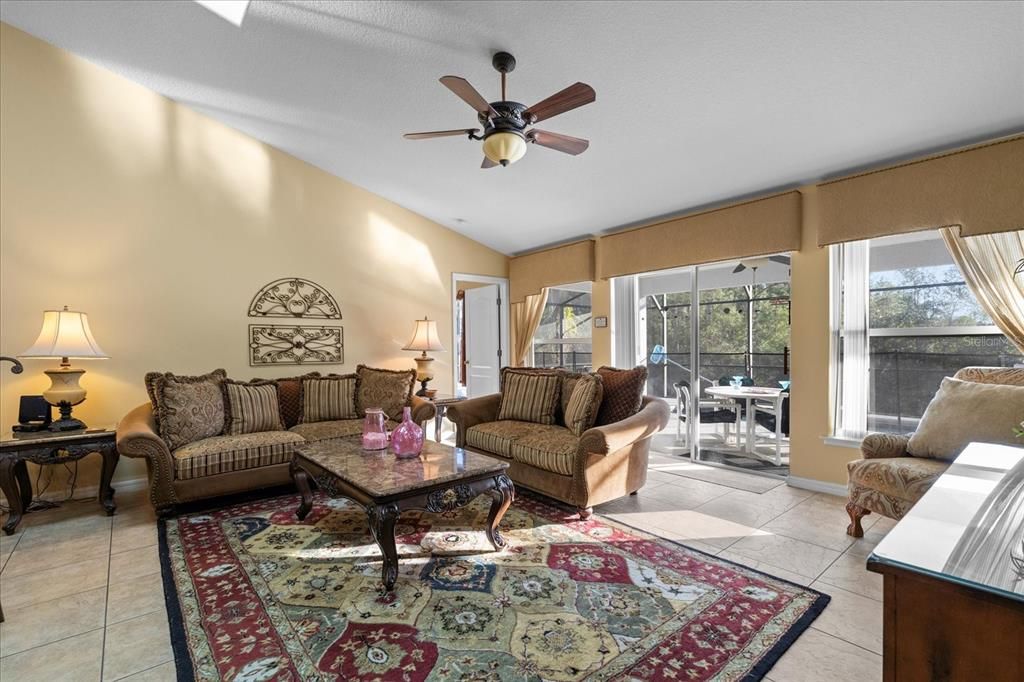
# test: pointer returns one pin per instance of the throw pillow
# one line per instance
(150, 381)
(189, 408)
(569, 380)
(530, 395)
(289, 395)
(963, 412)
(584, 403)
(251, 407)
(623, 393)
(328, 398)
(388, 389)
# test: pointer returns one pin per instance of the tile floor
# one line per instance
(83, 597)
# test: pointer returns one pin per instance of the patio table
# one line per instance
(749, 394)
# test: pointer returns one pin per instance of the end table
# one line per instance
(45, 447)
(441, 403)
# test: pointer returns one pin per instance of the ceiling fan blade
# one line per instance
(468, 94)
(488, 163)
(779, 259)
(557, 141)
(440, 133)
(576, 95)
(739, 268)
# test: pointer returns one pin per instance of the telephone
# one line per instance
(34, 414)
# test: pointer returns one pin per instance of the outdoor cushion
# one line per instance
(388, 389)
(551, 448)
(530, 396)
(328, 398)
(963, 412)
(623, 393)
(497, 437)
(584, 403)
(333, 429)
(905, 478)
(221, 454)
(250, 407)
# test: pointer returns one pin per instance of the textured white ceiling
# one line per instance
(697, 103)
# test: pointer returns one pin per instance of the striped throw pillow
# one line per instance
(328, 399)
(529, 395)
(251, 407)
(584, 402)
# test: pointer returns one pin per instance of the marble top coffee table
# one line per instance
(441, 479)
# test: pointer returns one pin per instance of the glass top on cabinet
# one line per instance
(9, 438)
(969, 527)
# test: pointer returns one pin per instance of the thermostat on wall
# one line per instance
(600, 322)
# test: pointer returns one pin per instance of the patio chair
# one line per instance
(712, 410)
(773, 415)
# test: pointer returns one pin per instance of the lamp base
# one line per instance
(422, 393)
(66, 421)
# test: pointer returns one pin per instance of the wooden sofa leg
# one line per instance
(633, 493)
(856, 513)
(586, 513)
(166, 511)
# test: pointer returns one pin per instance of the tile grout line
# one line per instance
(106, 602)
(829, 634)
(56, 641)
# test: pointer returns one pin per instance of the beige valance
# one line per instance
(980, 189)
(753, 228)
(568, 264)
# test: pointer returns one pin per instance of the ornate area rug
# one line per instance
(254, 594)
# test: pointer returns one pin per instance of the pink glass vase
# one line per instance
(375, 430)
(407, 438)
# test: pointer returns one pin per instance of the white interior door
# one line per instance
(483, 340)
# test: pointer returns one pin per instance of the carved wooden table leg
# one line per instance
(110, 458)
(12, 491)
(301, 479)
(382, 524)
(24, 483)
(502, 496)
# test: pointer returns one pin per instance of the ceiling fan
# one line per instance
(756, 263)
(505, 123)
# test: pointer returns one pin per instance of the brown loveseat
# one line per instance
(888, 480)
(226, 464)
(604, 463)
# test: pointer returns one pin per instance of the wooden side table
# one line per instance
(44, 447)
(441, 403)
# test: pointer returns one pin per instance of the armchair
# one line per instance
(887, 479)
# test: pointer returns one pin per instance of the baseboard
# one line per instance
(816, 485)
(87, 491)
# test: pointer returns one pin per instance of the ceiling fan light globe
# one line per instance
(504, 147)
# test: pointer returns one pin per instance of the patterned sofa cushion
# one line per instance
(189, 409)
(497, 437)
(221, 454)
(388, 389)
(530, 395)
(623, 393)
(251, 407)
(333, 429)
(548, 447)
(903, 478)
(551, 448)
(580, 411)
(328, 398)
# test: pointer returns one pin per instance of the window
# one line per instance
(563, 337)
(903, 319)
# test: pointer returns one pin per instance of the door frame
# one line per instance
(503, 317)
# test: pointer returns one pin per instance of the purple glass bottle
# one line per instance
(407, 438)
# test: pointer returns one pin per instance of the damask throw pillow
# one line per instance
(584, 402)
(251, 407)
(388, 389)
(623, 393)
(189, 408)
(328, 398)
(530, 395)
(150, 381)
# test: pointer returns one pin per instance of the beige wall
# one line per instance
(162, 224)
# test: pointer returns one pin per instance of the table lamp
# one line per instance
(65, 335)
(424, 338)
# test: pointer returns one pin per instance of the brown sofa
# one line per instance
(888, 480)
(223, 465)
(605, 463)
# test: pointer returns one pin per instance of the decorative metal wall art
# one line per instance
(294, 297)
(271, 344)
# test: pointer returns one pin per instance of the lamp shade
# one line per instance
(424, 336)
(65, 334)
(504, 147)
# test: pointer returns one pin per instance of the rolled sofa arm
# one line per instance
(422, 410)
(469, 413)
(137, 437)
(602, 440)
(884, 445)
